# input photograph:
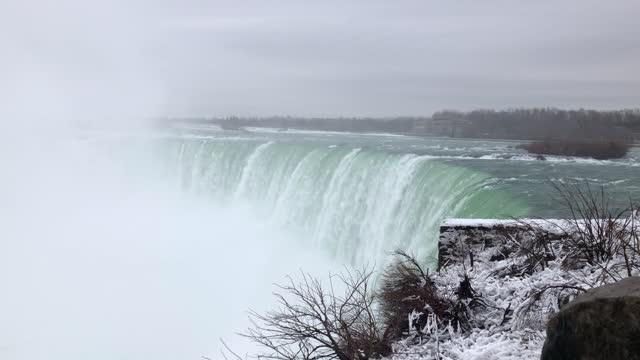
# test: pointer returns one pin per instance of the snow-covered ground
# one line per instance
(507, 324)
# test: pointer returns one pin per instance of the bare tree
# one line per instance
(597, 233)
(317, 322)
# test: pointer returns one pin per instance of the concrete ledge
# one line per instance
(460, 239)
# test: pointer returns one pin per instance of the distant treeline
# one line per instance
(538, 124)
(399, 125)
(517, 124)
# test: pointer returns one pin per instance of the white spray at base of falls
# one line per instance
(101, 259)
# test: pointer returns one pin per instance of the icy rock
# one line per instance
(603, 323)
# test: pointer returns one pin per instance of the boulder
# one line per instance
(603, 323)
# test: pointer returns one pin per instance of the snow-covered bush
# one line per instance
(408, 296)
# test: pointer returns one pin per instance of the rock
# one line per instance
(603, 323)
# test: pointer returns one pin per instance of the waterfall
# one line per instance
(355, 204)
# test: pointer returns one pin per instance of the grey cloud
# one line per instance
(359, 57)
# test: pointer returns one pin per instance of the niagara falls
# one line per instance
(286, 180)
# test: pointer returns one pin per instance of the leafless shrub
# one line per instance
(409, 298)
(406, 288)
(533, 244)
(317, 322)
(596, 232)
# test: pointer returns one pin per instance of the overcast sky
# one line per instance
(318, 58)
